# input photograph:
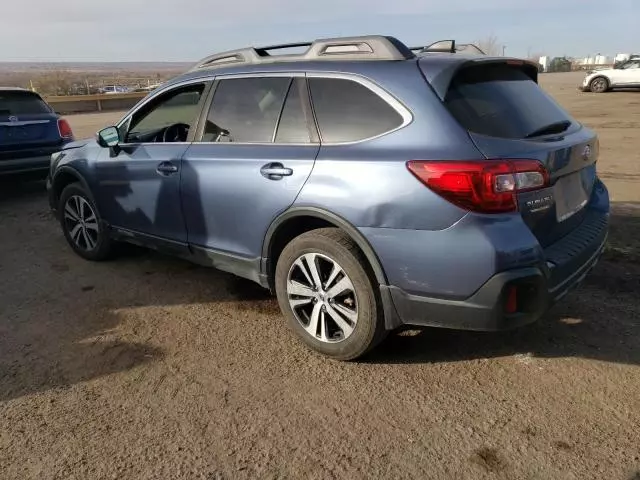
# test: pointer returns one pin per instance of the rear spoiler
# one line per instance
(448, 46)
(441, 79)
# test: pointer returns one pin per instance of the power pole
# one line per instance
(504, 47)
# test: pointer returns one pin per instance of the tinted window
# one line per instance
(293, 127)
(246, 110)
(177, 106)
(22, 103)
(501, 101)
(348, 111)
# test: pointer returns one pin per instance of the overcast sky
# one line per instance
(185, 30)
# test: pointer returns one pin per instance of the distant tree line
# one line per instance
(63, 82)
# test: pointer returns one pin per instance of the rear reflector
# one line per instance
(486, 186)
(511, 300)
(65, 129)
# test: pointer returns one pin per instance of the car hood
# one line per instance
(77, 144)
(599, 70)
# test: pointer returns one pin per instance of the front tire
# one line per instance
(599, 85)
(81, 224)
(327, 295)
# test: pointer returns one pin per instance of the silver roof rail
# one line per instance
(449, 46)
(371, 47)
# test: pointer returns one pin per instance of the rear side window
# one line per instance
(22, 103)
(501, 101)
(347, 111)
(246, 110)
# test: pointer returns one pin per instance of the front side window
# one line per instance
(167, 118)
(246, 110)
(347, 111)
(631, 66)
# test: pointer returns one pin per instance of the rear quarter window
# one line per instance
(347, 111)
(22, 103)
(501, 101)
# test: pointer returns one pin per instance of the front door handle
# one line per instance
(166, 168)
(275, 171)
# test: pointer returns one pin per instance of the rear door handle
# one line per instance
(275, 171)
(166, 168)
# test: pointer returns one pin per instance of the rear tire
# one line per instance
(599, 85)
(327, 296)
(81, 224)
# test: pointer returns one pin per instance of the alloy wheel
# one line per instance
(81, 223)
(599, 85)
(322, 298)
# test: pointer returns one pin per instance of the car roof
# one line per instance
(433, 64)
(15, 89)
(342, 54)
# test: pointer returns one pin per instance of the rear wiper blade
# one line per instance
(555, 127)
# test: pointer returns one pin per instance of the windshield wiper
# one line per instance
(555, 127)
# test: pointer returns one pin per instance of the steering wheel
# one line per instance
(178, 132)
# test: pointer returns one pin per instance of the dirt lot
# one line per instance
(148, 367)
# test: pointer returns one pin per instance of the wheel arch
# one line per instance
(64, 176)
(292, 223)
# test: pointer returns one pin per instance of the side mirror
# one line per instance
(109, 137)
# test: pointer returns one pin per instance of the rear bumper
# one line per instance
(25, 165)
(538, 287)
(30, 159)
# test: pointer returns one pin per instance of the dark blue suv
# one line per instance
(30, 131)
(369, 185)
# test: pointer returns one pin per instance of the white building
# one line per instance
(597, 60)
(603, 60)
(545, 62)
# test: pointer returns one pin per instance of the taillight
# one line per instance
(65, 129)
(487, 186)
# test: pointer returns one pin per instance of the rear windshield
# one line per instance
(501, 101)
(21, 103)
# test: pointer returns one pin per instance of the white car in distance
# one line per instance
(626, 75)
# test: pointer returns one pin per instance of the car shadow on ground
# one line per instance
(55, 348)
(21, 188)
(60, 321)
(65, 344)
(570, 330)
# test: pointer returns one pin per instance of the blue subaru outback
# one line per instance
(368, 184)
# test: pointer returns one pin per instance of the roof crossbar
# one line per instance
(282, 47)
(448, 46)
(370, 47)
(444, 46)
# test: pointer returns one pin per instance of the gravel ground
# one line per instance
(148, 367)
